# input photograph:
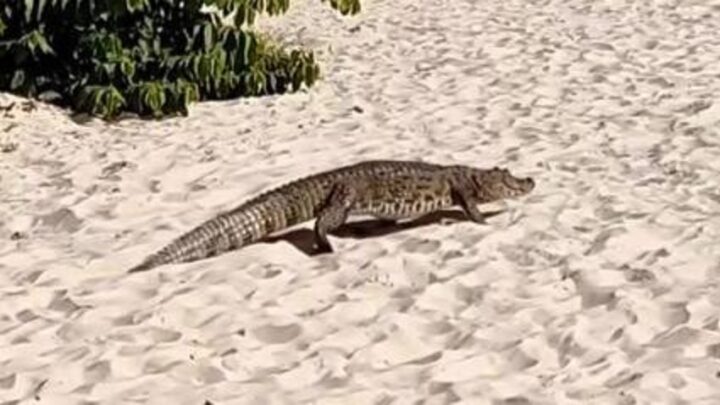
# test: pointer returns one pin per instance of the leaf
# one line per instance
(135, 5)
(18, 80)
(127, 67)
(105, 101)
(249, 44)
(36, 40)
(64, 4)
(250, 15)
(257, 81)
(216, 63)
(204, 68)
(240, 15)
(189, 91)
(96, 101)
(345, 7)
(28, 11)
(208, 39)
(272, 82)
(154, 97)
(111, 101)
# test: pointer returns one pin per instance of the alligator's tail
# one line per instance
(227, 231)
(248, 223)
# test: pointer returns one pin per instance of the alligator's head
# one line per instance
(497, 183)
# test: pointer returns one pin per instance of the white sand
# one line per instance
(599, 288)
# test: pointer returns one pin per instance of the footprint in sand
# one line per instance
(277, 334)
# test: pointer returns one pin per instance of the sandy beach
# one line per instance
(600, 287)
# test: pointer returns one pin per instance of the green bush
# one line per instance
(151, 57)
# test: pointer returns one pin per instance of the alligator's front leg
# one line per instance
(333, 214)
(463, 197)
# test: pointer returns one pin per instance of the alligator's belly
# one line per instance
(403, 197)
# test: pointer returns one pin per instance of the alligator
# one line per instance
(389, 190)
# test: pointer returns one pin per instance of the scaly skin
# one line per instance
(382, 188)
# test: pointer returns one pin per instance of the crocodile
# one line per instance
(389, 190)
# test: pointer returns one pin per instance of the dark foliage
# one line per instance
(152, 57)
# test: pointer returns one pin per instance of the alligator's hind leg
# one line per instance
(333, 214)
